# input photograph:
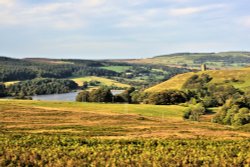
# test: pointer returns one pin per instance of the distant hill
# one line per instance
(239, 78)
(137, 75)
(25, 69)
(194, 60)
(49, 61)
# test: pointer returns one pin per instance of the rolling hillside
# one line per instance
(239, 78)
(220, 60)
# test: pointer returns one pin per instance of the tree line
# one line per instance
(104, 95)
(38, 87)
(230, 59)
(16, 69)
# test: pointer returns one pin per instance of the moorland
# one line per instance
(168, 114)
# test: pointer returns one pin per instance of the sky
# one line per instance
(99, 29)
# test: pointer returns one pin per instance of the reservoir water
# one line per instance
(65, 96)
(57, 97)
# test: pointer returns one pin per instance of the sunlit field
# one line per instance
(108, 120)
(82, 134)
(103, 81)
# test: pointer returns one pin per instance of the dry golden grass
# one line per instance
(10, 83)
(219, 76)
(174, 83)
(107, 120)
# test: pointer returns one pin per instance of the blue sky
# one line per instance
(97, 29)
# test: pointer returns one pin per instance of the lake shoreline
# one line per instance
(70, 96)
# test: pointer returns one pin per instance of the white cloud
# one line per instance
(144, 18)
(147, 18)
(138, 2)
(60, 15)
(164, 16)
(94, 3)
(245, 21)
(178, 1)
(185, 11)
(7, 3)
(54, 15)
(77, 14)
(194, 10)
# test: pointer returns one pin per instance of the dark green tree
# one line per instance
(233, 112)
(168, 97)
(41, 86)
(2, 90)
(85, 85)
(102, 94)
(82, 96)
(194, 112)
(125, 96)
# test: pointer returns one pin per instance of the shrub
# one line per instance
(139, 97)
(82, 96)
(232, 114)
(135, 97)
(194, 112)
(221, 93)
(209, 101)
(94, 83)
(197, 81)
(168, 97)
(187, 113)
(2, 90)
(103, 94)
(126, 96)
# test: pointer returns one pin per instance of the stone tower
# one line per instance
(203, 67)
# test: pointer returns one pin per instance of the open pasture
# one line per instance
(108, 120)
(103, 81)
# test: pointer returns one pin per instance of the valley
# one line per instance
(122, 83)
(170, 115)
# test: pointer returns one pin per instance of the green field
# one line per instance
(97, 119)
(103, 81)
(118, 69)
(40, 133)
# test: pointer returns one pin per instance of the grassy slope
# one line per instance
(106, 120)
(219, 76)
(175, 82)
(104, 81)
